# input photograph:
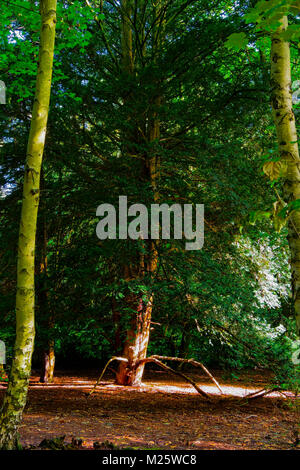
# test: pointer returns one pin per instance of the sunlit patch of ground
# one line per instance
(163, 386)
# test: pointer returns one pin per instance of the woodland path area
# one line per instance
(165, 413)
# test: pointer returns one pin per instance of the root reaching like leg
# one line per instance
(114, 358)
(260, 393)
(158, 360)
(193, 363)
(180, 374)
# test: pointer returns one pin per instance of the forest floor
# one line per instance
(165, 413)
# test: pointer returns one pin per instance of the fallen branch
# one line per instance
(114, 358)
(180, 374)
(194, 363)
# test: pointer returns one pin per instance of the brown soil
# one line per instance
(165, 413)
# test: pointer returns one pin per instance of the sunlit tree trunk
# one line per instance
(284, 118)
(136, 343)
(137, 337)
(47, 375)
(16, 394)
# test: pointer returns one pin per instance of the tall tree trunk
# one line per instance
(284, 119)
(47, 373)
(15, 397)
(116, 318)
(44, 311)
(126, 37)
(136, 344)
(137, 337)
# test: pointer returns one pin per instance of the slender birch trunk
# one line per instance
(15, 397)
(284, 118)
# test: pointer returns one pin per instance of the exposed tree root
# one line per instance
(193, 363)
(114, 358)
(260, 393)
(158, 360)
(254, 393)
(180, 374)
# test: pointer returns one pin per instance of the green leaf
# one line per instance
(258, 215)
(236, 41)
(292, 32)
(291, 206)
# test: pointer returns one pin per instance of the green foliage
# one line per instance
(227, 304)
(267, 14)
(237, 41)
